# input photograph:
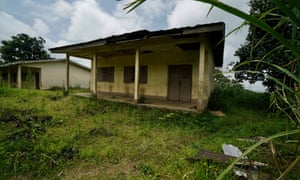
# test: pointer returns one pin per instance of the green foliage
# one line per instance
(256, 145)
(29, 80)
(20, 151)
(4, 90)
(228, 93)
(92, 138)
(22, 47)
(262, 46)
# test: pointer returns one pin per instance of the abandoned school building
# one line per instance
(171, 65)
(44, 74)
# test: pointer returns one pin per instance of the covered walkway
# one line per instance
(150, 103)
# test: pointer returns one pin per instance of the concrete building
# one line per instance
(172, 65)
(44, 74)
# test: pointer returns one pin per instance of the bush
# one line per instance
(4, 90)
(230, 94)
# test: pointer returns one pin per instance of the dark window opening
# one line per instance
(105, 74)
(129, 73)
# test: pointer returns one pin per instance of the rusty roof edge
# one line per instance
(42, 61)
(141, 34)
(30, 61)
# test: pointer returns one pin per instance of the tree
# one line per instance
(262, 46)
(22, 47)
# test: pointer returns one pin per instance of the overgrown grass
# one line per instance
(48, 135)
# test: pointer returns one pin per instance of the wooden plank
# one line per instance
(204, 154)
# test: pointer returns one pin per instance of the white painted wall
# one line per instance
(54, 74)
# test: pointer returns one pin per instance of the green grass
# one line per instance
(88, 138)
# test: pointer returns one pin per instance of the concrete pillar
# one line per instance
(19, 76)
(201, 78)
(136, 75)
(93, 80)
(67, 83)
(8, 76)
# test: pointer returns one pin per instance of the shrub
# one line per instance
(229, 94)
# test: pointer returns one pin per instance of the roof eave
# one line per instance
(139, 35)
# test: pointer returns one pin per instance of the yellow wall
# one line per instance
(209, 71)
(157, 63)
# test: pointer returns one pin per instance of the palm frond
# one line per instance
(254, 21)
(131, 6)
(287, 10)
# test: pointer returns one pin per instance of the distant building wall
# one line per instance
(53, 74)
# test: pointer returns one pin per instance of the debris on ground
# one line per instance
(210, 155)
(231, 153)
(217, 113)
(231, 150)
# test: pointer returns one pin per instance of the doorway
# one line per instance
(180, 82)
(37, 80)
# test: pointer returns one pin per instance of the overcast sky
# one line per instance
(62, 22)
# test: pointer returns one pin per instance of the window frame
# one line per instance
(129, 74)
(106, 74)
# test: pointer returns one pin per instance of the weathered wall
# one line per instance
(54, 74)
(209, 70)
(157, 63)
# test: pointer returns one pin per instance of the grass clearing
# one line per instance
(87, 138)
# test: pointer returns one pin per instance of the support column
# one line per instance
(94, 74)
(19, 76)
(136, 75)
(8, 76)
(201, 77)
(67, 83)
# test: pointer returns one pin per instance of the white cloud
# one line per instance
(190, 13)
(11, 26)
(129, 21)
(62, 8)
(40, 10)
(90, 21)
(154, 8)
(49, 12)
(81, 20)
(40, 26)
(187, 13)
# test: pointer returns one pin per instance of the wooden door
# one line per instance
(180, 82)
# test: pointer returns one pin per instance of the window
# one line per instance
(105, 74)
(129, 74)
(143, 74)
